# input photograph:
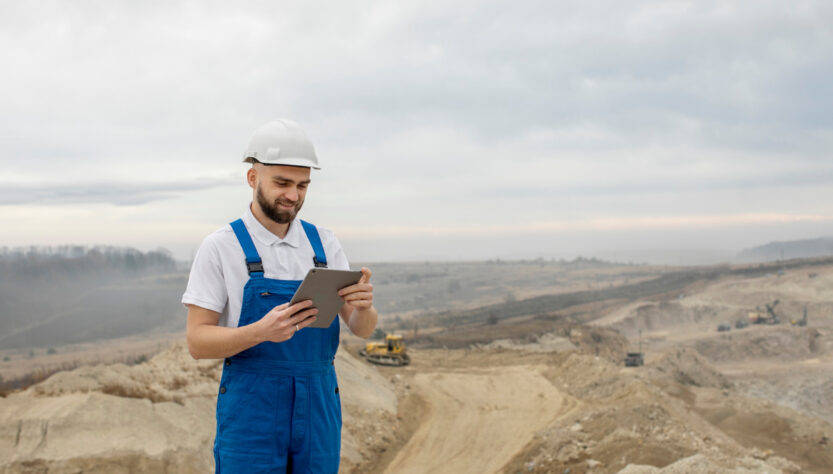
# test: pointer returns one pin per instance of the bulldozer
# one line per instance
(390, 352)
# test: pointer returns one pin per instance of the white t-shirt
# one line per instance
(219, 272)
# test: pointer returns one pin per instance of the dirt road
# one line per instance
(477, 420)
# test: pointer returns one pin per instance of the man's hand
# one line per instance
(360, 295)
(283, 321)
(207, 340)
(358, 311)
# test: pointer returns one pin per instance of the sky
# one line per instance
(670, 131)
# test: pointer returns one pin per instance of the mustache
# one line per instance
(286, 202)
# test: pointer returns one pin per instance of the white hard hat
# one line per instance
(281, 142)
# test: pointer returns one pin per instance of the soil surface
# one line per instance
(475, 421)
(545, 393)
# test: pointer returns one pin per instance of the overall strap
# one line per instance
(253, 262)
(320, 260)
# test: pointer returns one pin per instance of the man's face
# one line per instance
(279, 190)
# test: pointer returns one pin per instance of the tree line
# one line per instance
(74, 260)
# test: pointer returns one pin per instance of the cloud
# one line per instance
(103, 192)
(603, 224)
(526, 111)
(682, 184)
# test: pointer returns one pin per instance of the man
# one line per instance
(278, 407)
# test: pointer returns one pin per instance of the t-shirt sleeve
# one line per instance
(206, 285)
(336, 259)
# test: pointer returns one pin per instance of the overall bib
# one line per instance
(278, 407)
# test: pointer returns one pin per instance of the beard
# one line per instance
(274, 212)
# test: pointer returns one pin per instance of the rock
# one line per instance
(762, 455)
(156, 417)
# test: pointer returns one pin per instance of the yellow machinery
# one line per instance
(756, 317)
(768, 317)
(802, 321)
(390, 352)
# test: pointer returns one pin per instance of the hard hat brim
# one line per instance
(299, 162)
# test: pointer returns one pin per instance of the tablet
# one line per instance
(321, 285)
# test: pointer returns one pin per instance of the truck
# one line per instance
(634, 359)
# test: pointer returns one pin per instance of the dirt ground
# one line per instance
(19, 365)
(531, 394)
(754, 400)
(158, 416)
(507, 410)
(475, 421)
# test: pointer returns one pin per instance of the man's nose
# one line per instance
(292, 194)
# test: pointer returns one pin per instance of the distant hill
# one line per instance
(821, 247)
(57, 295)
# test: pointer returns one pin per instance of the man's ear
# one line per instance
(251, 177)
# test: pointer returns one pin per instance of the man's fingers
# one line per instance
(305, 323)
(355, 288)
(297, 318)
(290, 310)
(365, 275)
(359, 295)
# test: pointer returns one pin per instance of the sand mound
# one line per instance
(548, 342)
(729, 299)
(799, 386)
(369, 406)
(599, 341)
(156, 417)
(780, 342)
(172, 375)
(687, 367)
(475, 422)
(702, 464)
(639, 420)
(670, 315)
(623, 416)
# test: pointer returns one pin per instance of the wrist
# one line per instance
(365, 317)
(253, 333)
(362, 310)
(365, 312)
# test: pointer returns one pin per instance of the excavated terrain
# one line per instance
(558, 400)
(751, 400)
(571, 410)
(158, 417)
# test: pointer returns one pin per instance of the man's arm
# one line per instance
(361, 323)
(207, 340)
(358, 311)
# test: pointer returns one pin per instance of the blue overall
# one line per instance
(278, 407)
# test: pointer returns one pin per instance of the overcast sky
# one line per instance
(445, 130)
